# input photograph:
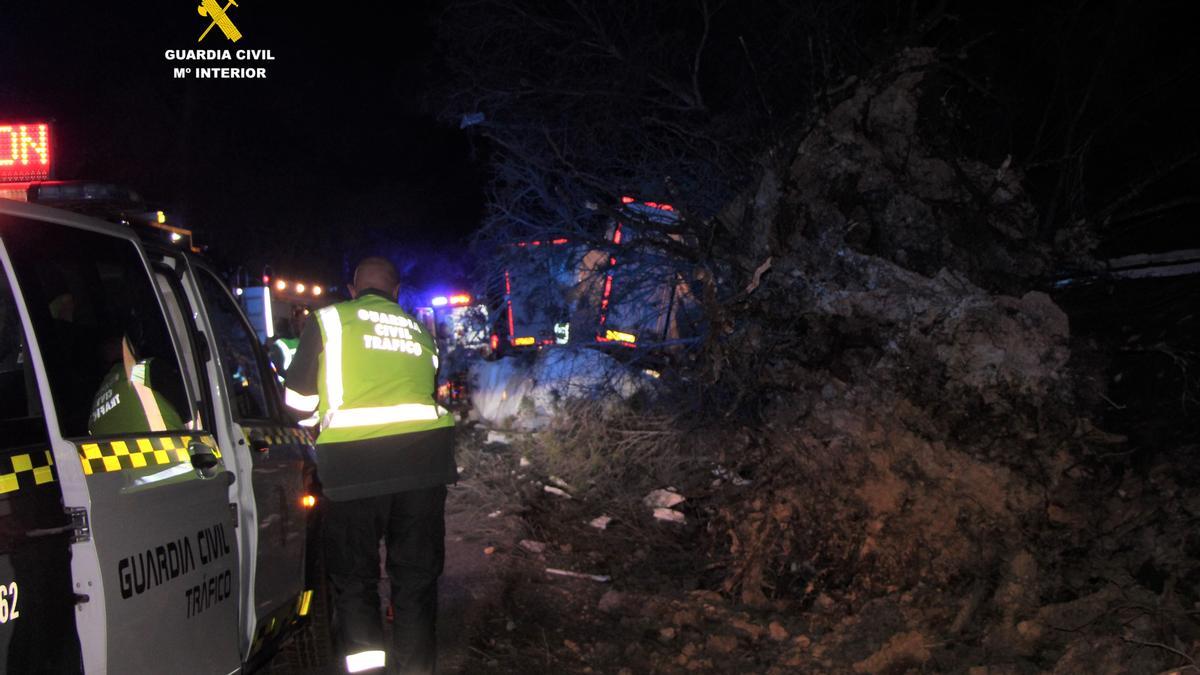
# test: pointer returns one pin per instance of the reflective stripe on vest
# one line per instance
(154, 416)
(368, 660)
(301, 402)
(390, 414)
(287, 352)
(334, 387)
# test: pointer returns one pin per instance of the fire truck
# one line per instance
(567, 293)
(172, 537)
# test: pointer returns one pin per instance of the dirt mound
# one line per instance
(891, 463)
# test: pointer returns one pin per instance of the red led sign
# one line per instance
(24, 152)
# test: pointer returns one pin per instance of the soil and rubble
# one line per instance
(890, 457)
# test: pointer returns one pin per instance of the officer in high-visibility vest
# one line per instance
(280, 351)
(384, 457)
(130, 398)
(282, 347)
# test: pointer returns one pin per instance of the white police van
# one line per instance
(173, 542)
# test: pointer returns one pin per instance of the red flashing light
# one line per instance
(24, 152)
(460, 299)
(558, 241)
(266, 279)
(617, 234)
(627, 200)
(494, 341)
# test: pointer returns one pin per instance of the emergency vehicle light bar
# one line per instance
(84, 191)
(456, 300)
(298, 287)
(24, 152)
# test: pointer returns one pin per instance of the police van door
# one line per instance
(37, 603)
(272, 451)
(154, 559)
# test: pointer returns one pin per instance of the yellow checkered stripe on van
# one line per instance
(282, 435)
(135, 453)
(26, 469)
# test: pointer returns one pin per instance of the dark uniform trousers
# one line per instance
(413, 526)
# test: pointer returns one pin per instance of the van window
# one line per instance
(244, 372)
(108, 353)
(21, 421)
(179, 313)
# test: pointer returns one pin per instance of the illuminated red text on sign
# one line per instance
(24, 152)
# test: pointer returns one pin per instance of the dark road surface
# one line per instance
(467, 590)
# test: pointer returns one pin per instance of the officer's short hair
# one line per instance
(376, 272)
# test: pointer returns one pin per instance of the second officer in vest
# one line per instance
(384, 458)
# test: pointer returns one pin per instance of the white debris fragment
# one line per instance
(498, 437)
(560, 483)
(495, 514)
(555, 491)
(725, 474)
(663, 499)
(524, 462)
(669, 515)
(579, 575)
(532, 546)
(601, 523)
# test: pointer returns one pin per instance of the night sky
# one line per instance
(331, 155)
(337, 153)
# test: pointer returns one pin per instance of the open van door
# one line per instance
(154, 552)
(37, 603)
(267, 452)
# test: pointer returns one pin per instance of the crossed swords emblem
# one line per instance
(212, 10)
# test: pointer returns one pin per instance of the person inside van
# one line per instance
(128, 400)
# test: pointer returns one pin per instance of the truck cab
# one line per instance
(154, 503)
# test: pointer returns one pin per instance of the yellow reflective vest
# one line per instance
(377, 372)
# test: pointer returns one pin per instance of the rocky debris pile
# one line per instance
(526, 392)
(919, 480)
(876, 174)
